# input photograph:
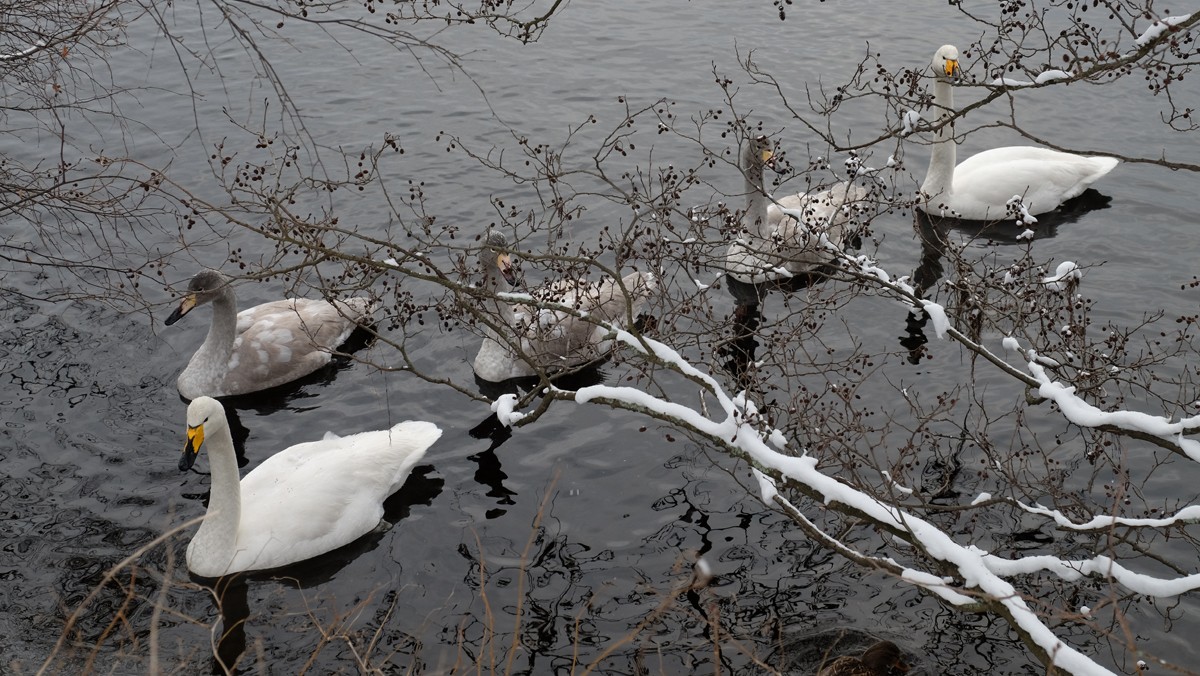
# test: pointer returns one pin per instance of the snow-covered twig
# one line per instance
(977, 569)
(1156, 429)
(24, 52)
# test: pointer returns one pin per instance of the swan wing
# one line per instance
(281, 341)
(749, 261)
(314, 497)
(561, 338)
(558, 337)
(1044, 178)
(614, 302)
(823, 217)
(250, 316)
(324, 323)
(496, 363)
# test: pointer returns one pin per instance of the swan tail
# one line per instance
(409, 441)
(358, 308)
(1103, 164)
(414, 436)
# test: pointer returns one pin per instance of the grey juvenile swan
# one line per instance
(263, 346)
(773, 243)
(551, 339)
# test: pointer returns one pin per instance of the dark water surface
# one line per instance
(91, 425)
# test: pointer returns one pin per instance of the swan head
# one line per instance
(205, 415)
(757, 154)
(205, 286)
(945, 64)
(493, 259)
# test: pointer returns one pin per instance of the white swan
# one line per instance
(263, 346)
(303, 501)
(981, 187)
(553, 340)
(792, 234)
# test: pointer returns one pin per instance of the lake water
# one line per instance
(587, 522)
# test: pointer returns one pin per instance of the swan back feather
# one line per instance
(812, 240)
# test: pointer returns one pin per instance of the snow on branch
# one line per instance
(1084, 414)
(976, 568)
(1189, 514)
(1157, 429)
(1099, 565)
(1041, 78)
(24, 52)
(1159, 27)
(505, 409)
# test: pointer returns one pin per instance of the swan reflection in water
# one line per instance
(934, 232)
(490, 473)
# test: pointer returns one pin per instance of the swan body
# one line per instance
(263, 346)
(550, 339)
(793, 235)
(881, 659)
(303, 501)
(981, 187)
(803, 243)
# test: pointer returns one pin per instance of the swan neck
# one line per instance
(222, 331)
(942, 157)
(217, 535)
(756, 200)
(495, 284)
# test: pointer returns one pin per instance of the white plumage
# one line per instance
(263, 346)
(554, 340)
(981, 187)
(303, 501)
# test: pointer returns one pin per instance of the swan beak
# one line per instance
(195, 439)
(952, 70)
(768, 158)
(185, 306)
(504, 263)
